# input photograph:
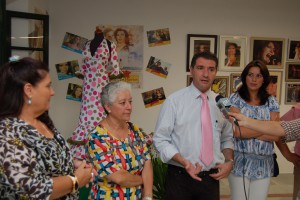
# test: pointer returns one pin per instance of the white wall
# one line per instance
(268, 18)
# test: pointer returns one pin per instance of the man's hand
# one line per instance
(192, 170)
(224, 170)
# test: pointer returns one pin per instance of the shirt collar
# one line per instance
(196, 93)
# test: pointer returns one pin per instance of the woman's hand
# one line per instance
(83, 172)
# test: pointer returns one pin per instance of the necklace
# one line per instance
(48, 132)
(122, 139)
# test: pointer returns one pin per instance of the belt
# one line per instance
(201, 174)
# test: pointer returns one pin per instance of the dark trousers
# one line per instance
(181, 186)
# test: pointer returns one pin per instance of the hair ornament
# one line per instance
(14, 58)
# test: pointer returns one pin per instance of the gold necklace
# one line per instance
(122, 139)
(48, 132)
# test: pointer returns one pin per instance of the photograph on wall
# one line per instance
(292, 93)
(158, 67)
(135, 78)
(220, 85)
(232, 53)
(67, 69)
(199, 43)
(268, 50)
(129, 42)
(235, 82)
(292, 72)
(153, 97)
(294, 50)
(274, 87)
(158, 37)
(189, 80)
(73, 42)
(74, 92)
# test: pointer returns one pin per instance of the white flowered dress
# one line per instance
(95, 72)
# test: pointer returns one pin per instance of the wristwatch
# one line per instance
(75, 183)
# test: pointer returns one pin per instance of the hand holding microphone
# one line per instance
(224, 105)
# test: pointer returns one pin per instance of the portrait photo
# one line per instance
(199, 43)
(292, 93)
(294, 50)
(67, 69)
(73, 42)
(232, 53)
(268, 50)
(129, 43)
(274, 87)
(74, 92)
(292, 72)
(235, 82)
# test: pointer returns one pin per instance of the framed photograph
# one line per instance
(235, 82)
(292, 93)
(268, 50)
(274, 87)
(292, 72)
(232, 53)
(294, 50)
(199, 43)
(189, 80)
(220, 85)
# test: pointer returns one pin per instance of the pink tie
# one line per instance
(207, 152)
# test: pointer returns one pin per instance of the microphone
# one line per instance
(274, 60)
(224, 105)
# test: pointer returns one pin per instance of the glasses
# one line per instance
(257, 76)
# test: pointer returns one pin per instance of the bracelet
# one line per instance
(75, 184)
(148, 197)
(229, 160)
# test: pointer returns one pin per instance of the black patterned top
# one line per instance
(29, 160)
(291, 130)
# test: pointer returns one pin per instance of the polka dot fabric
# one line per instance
(94, 69)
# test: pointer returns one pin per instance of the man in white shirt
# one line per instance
(178, 137)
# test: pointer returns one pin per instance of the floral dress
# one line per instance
(258, 163)
(94, 70)
(109, 154)
(28, 161)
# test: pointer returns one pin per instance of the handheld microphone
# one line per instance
(274, 60)
(224, 105)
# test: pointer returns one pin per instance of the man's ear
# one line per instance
(27, 90)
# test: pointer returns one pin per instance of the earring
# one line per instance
(29, 101)
(108, 111)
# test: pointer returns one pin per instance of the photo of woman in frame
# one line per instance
(294, 50)
(268, 51)
(232, 53)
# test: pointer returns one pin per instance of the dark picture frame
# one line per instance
(292, 72)
(269, 50)
(33, 41)
(294, 50)
(197, 43)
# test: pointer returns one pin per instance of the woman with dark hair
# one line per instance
(35, 159)
(267, 51)
(253, 151)
(77, 92)
(233, 54)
